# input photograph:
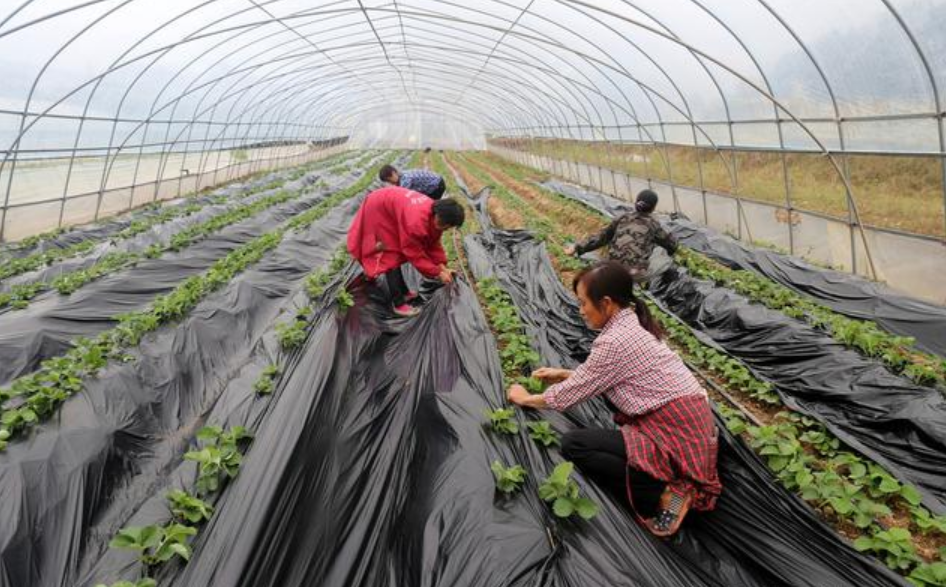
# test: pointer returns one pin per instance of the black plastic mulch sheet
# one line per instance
(112, 452)
(844, 293)
(47, 327)
(886, 417)
(371, 467)
(759, 534)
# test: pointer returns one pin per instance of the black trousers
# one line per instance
(600, 454)
(396, 286)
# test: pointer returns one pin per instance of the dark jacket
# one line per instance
(632, 238)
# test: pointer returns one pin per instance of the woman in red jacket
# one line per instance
(396, 226)
(664, 455)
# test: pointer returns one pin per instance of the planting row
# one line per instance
(68, 282)
(35, 396)
(814, 467)
(897, 352)
(218, 458)
(518, 358)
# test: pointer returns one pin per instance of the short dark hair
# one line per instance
(646, 201)
(438, 191)
(449, 212)
(613, 280)
(386, 172)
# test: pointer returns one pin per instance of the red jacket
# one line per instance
(396, 226)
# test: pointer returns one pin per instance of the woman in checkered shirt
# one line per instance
(664, 454)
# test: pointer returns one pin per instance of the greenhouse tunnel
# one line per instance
(178, 178)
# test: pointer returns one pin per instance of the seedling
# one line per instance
(501, 420)
(508, 480)
(560, 489)
(156, 544)
(188, 508)
(267, 380)
(895, 546)
(145, 582)
(929, 575)
(344, 299)
(220, 459)
(291, 335)
(542, 433)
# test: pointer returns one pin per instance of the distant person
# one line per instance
(395, 226)
(426, 182)
(663, 458)
(631, 237)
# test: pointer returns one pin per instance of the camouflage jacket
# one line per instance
(632, 238)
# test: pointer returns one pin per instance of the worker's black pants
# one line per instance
(601, 455)
(396, 286)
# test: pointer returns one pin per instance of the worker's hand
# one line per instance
(518, 394)
(569, 250)
(551, 374)
(446, 275)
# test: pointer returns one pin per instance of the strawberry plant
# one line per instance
(501, 420)
(560, 489)
(344, 299)
(291, 335)
(156, 544)
(542, 433)
(188, 508)
(219, 459)
(508, 480)
(929, 575)
(145, 582)
(894, 546)
(267, 380)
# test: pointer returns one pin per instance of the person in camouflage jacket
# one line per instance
(631, 237)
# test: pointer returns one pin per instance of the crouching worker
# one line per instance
(396, 226)
(426, 182)
(631, 237)
(664, 455)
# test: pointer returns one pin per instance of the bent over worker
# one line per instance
(631, 237)
(395, 226)
(426, 182)
(663, 457)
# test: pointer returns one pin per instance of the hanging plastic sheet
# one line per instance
(844, 293)
(112, 452)
(372, 468)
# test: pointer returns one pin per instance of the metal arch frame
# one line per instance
(281, 123)
(934, 86)
(668, 101)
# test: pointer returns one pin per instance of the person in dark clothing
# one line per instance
(631, 238)
(426, 182)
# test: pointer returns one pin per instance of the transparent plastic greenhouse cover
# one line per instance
(107, 94)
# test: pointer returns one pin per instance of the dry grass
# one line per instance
(905, 193)
(579, 222)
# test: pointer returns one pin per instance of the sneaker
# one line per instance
(674, 505)
(406, 311)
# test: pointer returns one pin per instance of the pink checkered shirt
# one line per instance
(630, 367)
